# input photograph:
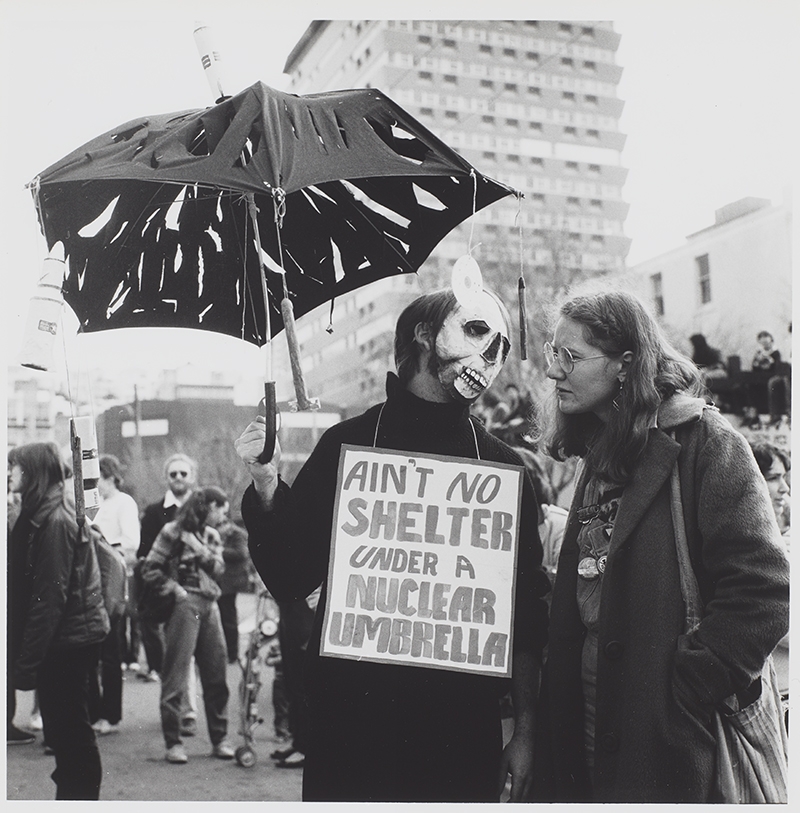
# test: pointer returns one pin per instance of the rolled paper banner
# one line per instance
(44, 314)
(210, 60)
(90, 463)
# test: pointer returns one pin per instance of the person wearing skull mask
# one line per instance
(383, 731)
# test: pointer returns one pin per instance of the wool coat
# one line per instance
(656, 685)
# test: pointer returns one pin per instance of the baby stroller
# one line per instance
(259, 655)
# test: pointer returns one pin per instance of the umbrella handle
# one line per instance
(271, 411)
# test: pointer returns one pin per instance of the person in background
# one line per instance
(775, 465)
(14, 734)
(387, 731)
(180, 473)
(767, 355)
(57, 617)
(295, 624)
(118, 520)
(706, 358)
(235, 577)
(761, 397)
(186, 558)
(627, 695)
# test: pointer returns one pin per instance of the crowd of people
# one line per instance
(767, 390)
(611, 696)
(66, 641)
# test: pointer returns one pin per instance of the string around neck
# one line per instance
(469, 419)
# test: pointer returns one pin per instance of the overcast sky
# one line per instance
(709, 89)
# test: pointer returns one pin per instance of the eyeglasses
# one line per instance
(174, 474)
(565, 358)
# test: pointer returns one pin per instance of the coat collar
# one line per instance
(655, 465)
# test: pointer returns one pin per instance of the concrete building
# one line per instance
(530, 103)
(728, 281)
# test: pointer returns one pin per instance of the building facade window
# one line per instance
(656, 286)
(449, 43)
(534, 91)
(704, 278)
(509, 52)
(535, 125)
(450, 79)
(487, 84)
(590, 99)
(564, 28)
(424, 39)
(570, 131)
(593, 133)
(568, 96)
(594, 168)
(572, 166)
(450, 114)
(532, 56)
(589, 65)
(567, 62)
(485, 49)
(487, 119)
(426, 76)
(510, 87)
(512, 122)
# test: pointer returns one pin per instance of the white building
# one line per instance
(729, 281)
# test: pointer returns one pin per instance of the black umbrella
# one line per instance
(212, 218)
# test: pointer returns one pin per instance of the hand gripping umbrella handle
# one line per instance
(271, 411)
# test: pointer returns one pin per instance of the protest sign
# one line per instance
(423, 561)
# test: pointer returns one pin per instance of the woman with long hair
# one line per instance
(628, 696)
(57, 620)
(185, 559)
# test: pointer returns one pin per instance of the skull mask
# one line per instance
(471, 347)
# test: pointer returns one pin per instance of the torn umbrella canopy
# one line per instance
(154, 219)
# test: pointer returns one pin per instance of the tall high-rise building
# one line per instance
(532, 103)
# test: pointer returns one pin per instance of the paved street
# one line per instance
(133, 760)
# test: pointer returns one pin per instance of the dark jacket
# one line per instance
(236, 576)
(656, 686)
(154, 518)
(55, 591)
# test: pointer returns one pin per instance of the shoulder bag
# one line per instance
(752, 743)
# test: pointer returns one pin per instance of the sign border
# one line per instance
(469, 462)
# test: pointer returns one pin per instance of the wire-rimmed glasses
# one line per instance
(565, 359)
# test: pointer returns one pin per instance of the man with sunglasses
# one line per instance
(180, 472)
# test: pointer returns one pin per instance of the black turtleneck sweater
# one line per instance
(384, 731)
